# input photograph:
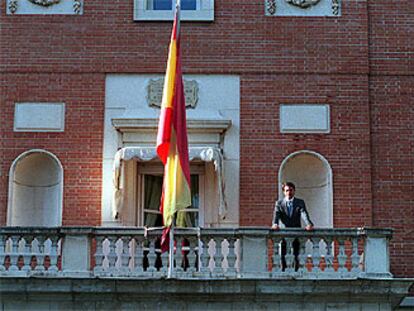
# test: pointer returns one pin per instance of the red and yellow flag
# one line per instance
(172, 145)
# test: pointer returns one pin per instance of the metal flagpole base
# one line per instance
(171, 251)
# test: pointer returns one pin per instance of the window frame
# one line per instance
(156, 168)
(204, 12)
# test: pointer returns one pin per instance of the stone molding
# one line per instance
(193, 125)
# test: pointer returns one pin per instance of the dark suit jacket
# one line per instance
(299, 212)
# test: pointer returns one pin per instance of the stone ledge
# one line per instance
(384, 289)
(168, 294)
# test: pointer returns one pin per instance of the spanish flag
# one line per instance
(172, 145)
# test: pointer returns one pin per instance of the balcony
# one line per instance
(200, 253)
(98, 261)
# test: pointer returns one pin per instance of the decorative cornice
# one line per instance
(128, 125)
(303, 4)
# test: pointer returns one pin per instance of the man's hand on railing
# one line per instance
(277, 227)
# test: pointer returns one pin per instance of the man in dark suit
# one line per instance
(290, 211)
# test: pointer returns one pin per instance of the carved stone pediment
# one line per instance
(303, 3)
(155, 88)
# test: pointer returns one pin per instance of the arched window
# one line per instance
(312, 175)
(35, 190)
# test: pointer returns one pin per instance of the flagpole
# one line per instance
(178, 13)
(171, 242)
(171, 247)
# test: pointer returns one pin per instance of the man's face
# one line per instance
(289, 192)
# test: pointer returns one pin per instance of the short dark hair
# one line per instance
(288, 184)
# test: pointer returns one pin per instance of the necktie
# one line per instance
(290, 208)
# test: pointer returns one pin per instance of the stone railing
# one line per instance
(198, 253)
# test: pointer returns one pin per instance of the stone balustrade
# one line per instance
(198, 253)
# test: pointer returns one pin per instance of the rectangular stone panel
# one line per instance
(39, 117)
(42, 7)
(304, 118)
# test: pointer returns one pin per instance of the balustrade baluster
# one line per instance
(178, 254)
(40, 255)
(99, 255)
(316, 259)
(303, 256)
(112, 256)
(290, 262)
(53, 256)
(27, 253)
(277, 257)
(355, 256)
(329, 256)
(231, 257)
(125, 256)
(342, 256)
(205, 255)
(218, 256)
(14, 254)
(158, 255)
(152, 256)
(2, 252)
(138, 256)
(164, 263)
(192, 254)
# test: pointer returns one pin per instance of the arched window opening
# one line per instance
(35, 190)
(312, 175)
